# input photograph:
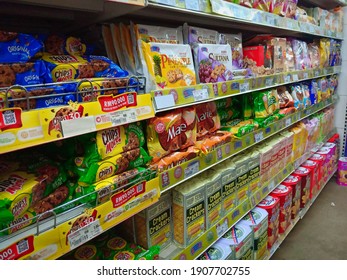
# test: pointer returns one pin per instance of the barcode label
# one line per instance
(9, 117)
(200, 94)
(139, 188)
(191, 169)
(295, 78)
(269, 82)
(221, 229)
(287, 79)
(305, 75)
(244, 87)
(258, 136)
(288, 121)
(84, 234)
(22, 246)
(123, 117)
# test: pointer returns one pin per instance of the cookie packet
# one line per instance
(214, 140)
(284, 97)
(60, 44)
(167, 65)
(241, 128)
(266, 104)
(208, 120)
(92, 172)
(112, 141)
(19, 47)
(170, 132)
(213, 62)
(104, 67)
(159, 34)
(193, 35)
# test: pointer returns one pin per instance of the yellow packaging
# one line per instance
(168, 65)
(242, 182)
(188, 205)
(304, 137)
(254, 170)
(153, 226)
(298, 142)
(213, 202)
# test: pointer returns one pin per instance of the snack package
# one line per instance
(127, 46)
(291, 8)
(266, 104)
(241, 128)
(246, 3)
(170, 132)
(324, 48)
(208, 120)
(313, 50)
(279, 53)
(92, 172)
(213, 141)
(280, 7)
(301, 55)
(107, 38)
(289, 61)
(264, 5)
(235, 42)
(168, 65)
(112, 141)
(224, 103)
(19, 47)
(117, 43)
(284, 97)
(213, 62)
(67, 68)
(58, 45)
(193, 35)
(159, 34)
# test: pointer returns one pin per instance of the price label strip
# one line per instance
(123, 117)
(244, 87)
(222, 228)
(191, 169)
(84, 234)
(192, 5)
(259, 136)
(200, 94)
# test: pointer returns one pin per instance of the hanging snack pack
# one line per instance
(168, 65)
(208, 120)
(266, 104)
(213, 62)
(159, 34)
(193, 35)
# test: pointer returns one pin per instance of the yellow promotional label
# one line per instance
(63, 73)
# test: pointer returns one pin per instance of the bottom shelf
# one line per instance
(301, 215)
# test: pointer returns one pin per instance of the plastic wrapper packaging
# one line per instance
(193, 35)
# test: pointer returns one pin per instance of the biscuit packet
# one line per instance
(266, 104)
(197, 35)
(19, 47)
(159, 34)
(112, 141)
(168, 65)
(92, 172)
(289, 60)
(241, 128)
(208, 120)
(213, 62)
(313, 50)
(213, 141)
(170, 132)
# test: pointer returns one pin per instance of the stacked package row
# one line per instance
(184, 214)
(328, 20)
(188, 55)
(258, 231)
(182, 134)
(63, 174)
(53, 67)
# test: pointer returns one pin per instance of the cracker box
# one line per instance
(213, 192)
(257, 219)
(228, 180)
(295, 183)
(333, 155)
(242, 182)
(188, 211)
(265, 161)
(320, 159)
(153, 226)
(284, 194)
(240, 241)
(272, 206)
(342, 171)
(289, 138)
(254, 170)
(304, 174)
(274, 161)
(327, 156)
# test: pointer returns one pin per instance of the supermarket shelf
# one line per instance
(179, 174)
(223, 225)
(327, 5)
(42, 126)
(301, 215)
(53, 237)
(168, 99)
(241, 18)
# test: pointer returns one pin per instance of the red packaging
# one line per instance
(272, 206)
(305, 175)
(284, 194)
(256, 53)
(326, 153)
(320, 159)
(295, 183)
(313, 166)
(208, 120)
(334, 156)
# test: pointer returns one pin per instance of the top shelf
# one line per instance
(327, 5)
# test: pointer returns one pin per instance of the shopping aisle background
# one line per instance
(322, 233)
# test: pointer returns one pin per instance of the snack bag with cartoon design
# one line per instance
(170, 132)
(213, 62)
(208, 120)
(168, 65)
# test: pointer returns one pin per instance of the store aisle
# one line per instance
(322, 233)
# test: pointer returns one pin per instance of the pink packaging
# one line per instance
(322, 170)
(342, 172)
(328, 161)
(334, 158)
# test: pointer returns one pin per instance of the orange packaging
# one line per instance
(170, 132)
(213, 141)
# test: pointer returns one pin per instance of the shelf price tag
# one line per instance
(305, 75)
(316, 73)
(295, 77)
(192, 5)
(84, 234)
(78, 126)
(258, 136)
(272, 185)
(200, 94)
(288, 122)
(269, 82)
(123, 117)
(191, 169)
(287, 78)
(244, 86)
(222, 228)
(167, 2)
(290, 24)
(164, 101)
